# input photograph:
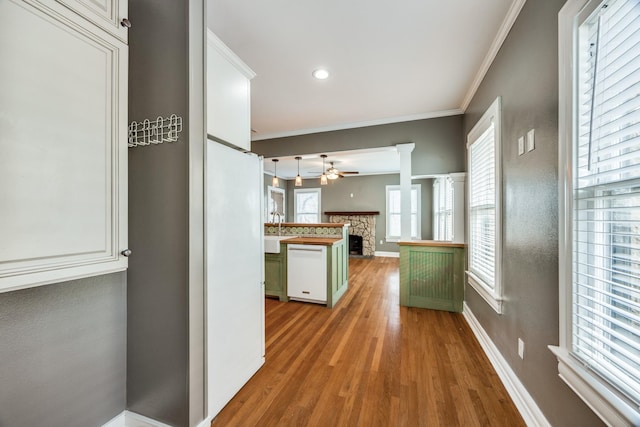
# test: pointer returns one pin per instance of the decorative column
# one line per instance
(458, 180)
(404, 150)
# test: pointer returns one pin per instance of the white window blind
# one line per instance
(307, 205)
(606, 197)
(482, 207)
(442, 209)
(394, 212)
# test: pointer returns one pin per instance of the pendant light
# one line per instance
(298, 177)
(323, 177)
(274, 181)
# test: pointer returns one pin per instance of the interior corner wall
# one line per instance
(158, 275)
(63, 353)
(525, 74)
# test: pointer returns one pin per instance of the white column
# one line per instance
(404, 150)
(458, 181)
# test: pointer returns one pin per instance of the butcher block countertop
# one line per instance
(326, 241)
(303, 224)
(440, 243)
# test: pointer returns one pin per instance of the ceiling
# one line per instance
(373, 161)
(390, 61)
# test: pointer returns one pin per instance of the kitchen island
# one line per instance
(325, 241)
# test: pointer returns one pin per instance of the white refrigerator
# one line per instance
(235, 272)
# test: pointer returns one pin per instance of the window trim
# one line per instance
(418, 189)
(307, 190)
(439, 211)
(602, 398)
(493, 297)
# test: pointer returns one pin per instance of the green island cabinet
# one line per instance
(337, 271)
(432, 275)
(275, 274)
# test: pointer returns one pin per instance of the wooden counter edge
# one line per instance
(299, 224)
(440, 243)
(326, 241)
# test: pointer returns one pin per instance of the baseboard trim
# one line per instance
(387, 254)
(528, 408)
(131, 419)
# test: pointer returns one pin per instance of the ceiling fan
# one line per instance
(333, 173)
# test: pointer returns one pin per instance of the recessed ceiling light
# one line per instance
(320, 74)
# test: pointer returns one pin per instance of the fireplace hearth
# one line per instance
(355, 244)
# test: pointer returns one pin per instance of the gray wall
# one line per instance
(62, 353)
(437, 150)
(525, 74)
(369, 194)
(157, 328)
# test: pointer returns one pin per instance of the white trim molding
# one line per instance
(509, 20)
(387, 254)
(354, 125)
(131, 419)
(608, 405)
(527, 406)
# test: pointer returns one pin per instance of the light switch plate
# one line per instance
(520, 348)
(531, 140)
(521, 146)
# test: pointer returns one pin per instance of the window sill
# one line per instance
(606, 403)
(483, 290)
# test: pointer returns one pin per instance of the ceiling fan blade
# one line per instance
(348, 173)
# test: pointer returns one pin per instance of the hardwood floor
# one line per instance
(369, 362)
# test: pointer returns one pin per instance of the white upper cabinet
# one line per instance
(110, 15)
(228, 95)
(63, 150)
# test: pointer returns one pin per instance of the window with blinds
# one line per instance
(483, 206)
(442, 209)
(606, 197)
(307, 205)
(394, 212)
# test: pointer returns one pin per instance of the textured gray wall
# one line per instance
(63, 353)
(437, 150)
(525, 74)
(157, 328)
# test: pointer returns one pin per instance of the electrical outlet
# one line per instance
(520, 348)
(521, 146)
(531, 140)
(381, 241)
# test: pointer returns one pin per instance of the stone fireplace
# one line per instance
(362, 224)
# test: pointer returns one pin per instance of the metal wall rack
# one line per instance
(162, 129)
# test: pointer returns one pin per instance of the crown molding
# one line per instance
(353, 125)
(509, 20)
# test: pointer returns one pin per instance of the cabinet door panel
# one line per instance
(228, 95)
(63, 149)
(106, 14)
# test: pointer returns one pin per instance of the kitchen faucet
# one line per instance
(273, 218)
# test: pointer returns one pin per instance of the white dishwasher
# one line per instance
(307, 273)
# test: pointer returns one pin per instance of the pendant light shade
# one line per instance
(274, 181)
(323, 177)
(298, 177)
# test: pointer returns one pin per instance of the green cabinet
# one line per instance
(432, 275)
(275, 274)
(337, 272)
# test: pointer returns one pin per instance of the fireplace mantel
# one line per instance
(347, 213)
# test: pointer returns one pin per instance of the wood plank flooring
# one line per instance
(369, 362)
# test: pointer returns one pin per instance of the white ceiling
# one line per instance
(366, 162)
(390, 61)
